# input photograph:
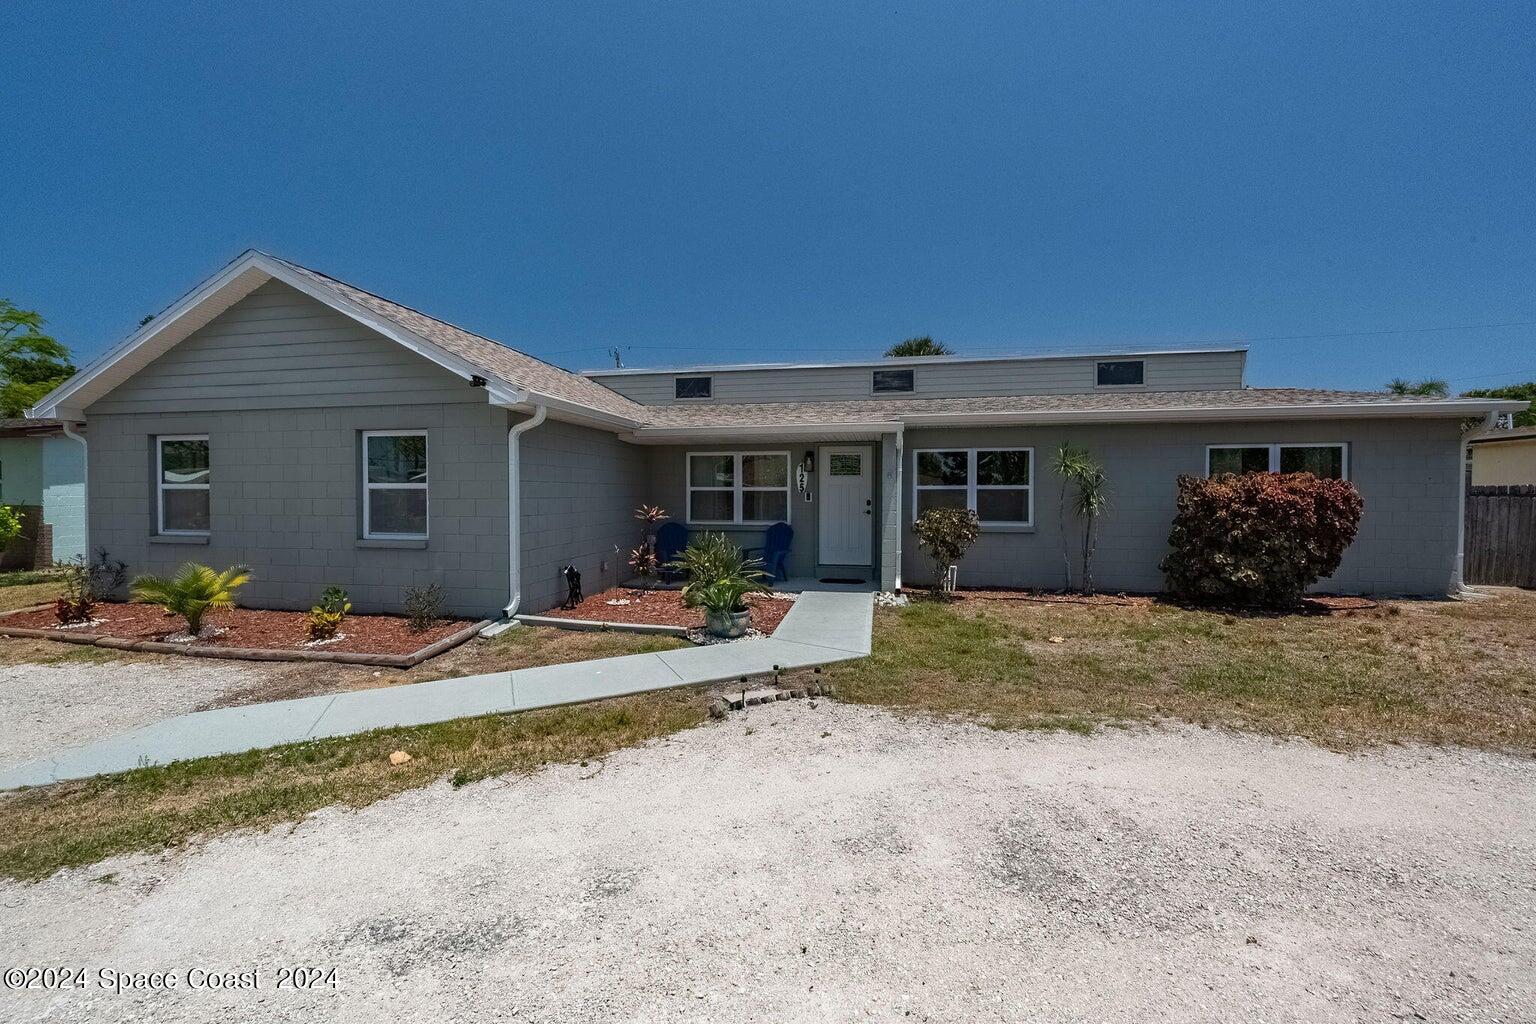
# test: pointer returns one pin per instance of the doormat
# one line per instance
(841, 579)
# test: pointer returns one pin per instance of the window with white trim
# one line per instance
(738, 488)
(395, 484)
(995, 483)
(182, 478)
(1330, 461)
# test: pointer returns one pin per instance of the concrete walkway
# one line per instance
(821, 628)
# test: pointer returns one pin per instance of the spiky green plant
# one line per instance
(1078, 469)
(194, 591)
(720, 575)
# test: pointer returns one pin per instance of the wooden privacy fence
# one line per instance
(1501, 535)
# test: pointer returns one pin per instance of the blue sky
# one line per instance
(707, 182)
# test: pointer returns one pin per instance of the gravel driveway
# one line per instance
(44, 708)
(839, 863)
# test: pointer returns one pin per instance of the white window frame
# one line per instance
(1101, 362)
(693, 398)
(972, 487)
(737, 488)
(161, 486)
(892, 369)
(425, 488)
(1275, 448)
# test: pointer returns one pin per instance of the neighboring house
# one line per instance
(1504, 458)
(42, 473)
(320, 434)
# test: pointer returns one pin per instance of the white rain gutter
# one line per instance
(514, 520)
(1489, 422)
(85, 488)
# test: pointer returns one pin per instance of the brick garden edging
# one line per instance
(194, 650)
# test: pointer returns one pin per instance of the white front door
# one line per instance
(847, 506)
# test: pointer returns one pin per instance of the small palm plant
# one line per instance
(1079, 469)
(194, 591)
(720, 576)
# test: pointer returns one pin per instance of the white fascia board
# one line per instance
(567, 411)
(672, 435)
(56, 403)
(1356, 410)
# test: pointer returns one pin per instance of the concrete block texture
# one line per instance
(1407, 470)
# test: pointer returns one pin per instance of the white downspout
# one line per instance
(85, 488)
(514, 521)
(1459, 582)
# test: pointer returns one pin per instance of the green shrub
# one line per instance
(423, 606)
(325, 618)
(10, 524)
(719, 574)
(1259, 538)
(84, 584)
(194, 591)
(946, 534)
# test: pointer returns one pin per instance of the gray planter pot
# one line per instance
(727, 624)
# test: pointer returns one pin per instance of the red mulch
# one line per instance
(249, 628)
(665, 608)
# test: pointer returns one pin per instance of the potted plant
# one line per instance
(720, 576)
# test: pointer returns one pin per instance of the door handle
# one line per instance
(867, 503)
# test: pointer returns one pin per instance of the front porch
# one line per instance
(839, 491)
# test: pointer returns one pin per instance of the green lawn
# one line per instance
(1433, 672)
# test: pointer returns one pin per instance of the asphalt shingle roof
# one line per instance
(515, 368)
(523, 371)
(881, 410)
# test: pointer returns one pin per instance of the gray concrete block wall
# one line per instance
(669, 488)
(285, 501)
(580, 488)
(1407, 470)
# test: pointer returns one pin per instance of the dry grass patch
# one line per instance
(1434, 672)
(15, 596)
(76, 823)
(521, 647)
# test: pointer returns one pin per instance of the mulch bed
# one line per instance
(247, 628)
(665, 608)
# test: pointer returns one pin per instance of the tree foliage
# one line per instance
(1515, 392)
(923, 346)
(1429, 387)
(1259, 539)
(31, 363)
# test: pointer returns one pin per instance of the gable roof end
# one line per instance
(512, 377)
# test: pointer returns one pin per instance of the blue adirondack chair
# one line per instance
(775, 551)
(671, 539)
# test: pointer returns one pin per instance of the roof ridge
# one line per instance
(424, 313)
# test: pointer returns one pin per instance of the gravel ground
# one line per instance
(44, 708)
(838, 863)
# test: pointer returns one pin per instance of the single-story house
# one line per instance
(320, 434)
(42, 475)
(1504, 458)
